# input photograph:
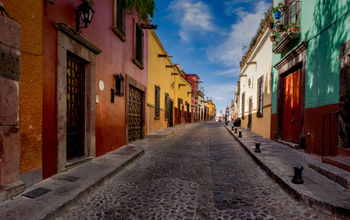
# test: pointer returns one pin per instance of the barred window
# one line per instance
(291, 14)
(139, 45)
(188, 110)
(260, 97)
(157, 101)
(179, 102)
(119, 19)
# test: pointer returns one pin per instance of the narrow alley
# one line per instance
(198, 172)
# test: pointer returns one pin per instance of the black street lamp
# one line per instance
(85, 14)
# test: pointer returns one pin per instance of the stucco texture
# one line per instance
(29, 14)
(158, 75)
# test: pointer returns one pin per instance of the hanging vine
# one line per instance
(144, 8)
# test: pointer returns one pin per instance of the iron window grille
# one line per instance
(119, 19)
(139, 45)
(260, 97)
(157, 102)
(291, 15)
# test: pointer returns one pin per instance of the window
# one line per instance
(157, 102)
(291, 15)
(138, 46)
(260, 97)
(167, 110)
(179, 102)
(119, 19)
(243, 99)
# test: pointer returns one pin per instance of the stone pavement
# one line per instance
(318, 191)
(199, 172)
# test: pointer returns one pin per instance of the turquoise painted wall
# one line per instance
(326, 25)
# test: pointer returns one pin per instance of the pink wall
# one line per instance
(116, 58)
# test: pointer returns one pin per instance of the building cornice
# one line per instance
(291, 55)
(77, 37)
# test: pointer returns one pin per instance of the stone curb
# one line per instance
(63, 194)
(322, 206)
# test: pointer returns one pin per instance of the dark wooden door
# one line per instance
(75, 108)
(250, 107)
(135, 114)
(170, 110)
(291, 125)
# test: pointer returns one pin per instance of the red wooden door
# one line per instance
(291, 125)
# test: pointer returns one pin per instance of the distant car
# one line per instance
(237, 122)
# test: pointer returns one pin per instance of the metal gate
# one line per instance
(75, 108)
(135, 114)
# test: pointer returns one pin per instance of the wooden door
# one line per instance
(135, 114)
(170, 109)
(75, 108)
(291, 125)
(250, 107)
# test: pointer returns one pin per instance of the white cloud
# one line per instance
(220, 92)
(229, 72)
(230, 52)
(194, 17)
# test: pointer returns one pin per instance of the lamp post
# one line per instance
(84, 13)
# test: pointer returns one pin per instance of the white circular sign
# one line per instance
(101, 85)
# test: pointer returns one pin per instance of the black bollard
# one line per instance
(257, 148)
(298, 179)
(232, 128)
(235, 130)
(240, 134)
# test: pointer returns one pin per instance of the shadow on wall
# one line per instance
(331, 20)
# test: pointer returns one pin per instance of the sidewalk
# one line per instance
(318, 191)
(69, 186)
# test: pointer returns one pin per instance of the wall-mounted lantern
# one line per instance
(119, 87)
(85, 14)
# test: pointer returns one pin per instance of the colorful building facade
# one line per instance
(255, 85)
(194, 80)
(182, 94)
(160, 93)
(310, 81)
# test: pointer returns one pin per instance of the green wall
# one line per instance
(325, 24)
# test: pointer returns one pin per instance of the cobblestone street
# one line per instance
(199, 172)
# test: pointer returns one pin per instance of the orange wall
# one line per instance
(29, 14)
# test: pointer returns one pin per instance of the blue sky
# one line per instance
(206, 37)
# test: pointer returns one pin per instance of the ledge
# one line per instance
(138, 64)
(119, 34)
(285, 41)
(77, 37)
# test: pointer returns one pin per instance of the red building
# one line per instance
(95, 82)
(194, 80)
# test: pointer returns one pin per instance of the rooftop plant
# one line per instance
(144, 8)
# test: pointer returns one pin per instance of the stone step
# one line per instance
(340, 176)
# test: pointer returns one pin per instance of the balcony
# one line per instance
(285, 41)
(287, 25)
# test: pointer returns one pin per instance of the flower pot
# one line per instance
(294, 29)
(272, 38)
(277, 14)
(271, 25)
(279, 27)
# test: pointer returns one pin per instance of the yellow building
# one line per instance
(160, 91)
(182, 96)
(212, 110)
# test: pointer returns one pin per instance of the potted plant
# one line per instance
(271, 23)
(273, 36)
(276, 12)
(279, 26)
(294, 27)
